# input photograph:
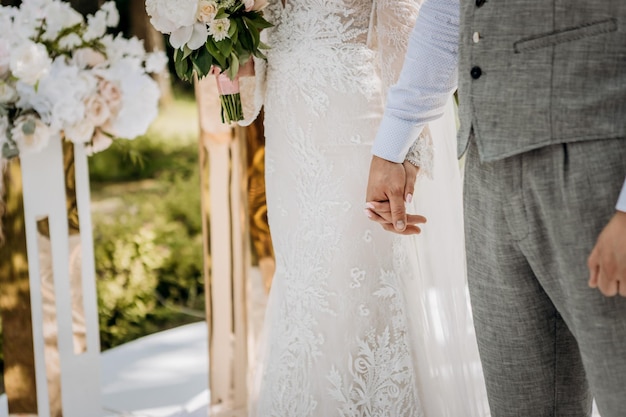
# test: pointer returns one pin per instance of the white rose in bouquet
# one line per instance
(167, 16)
(30, 134)
(8, 93)
(111, 94)
(207, 9)
(81, 132)
(30, 62)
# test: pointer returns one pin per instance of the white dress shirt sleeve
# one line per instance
(621, 201)
(428, 78)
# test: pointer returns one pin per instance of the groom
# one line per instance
(542, 87)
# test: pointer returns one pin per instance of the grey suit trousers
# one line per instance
(548, 342)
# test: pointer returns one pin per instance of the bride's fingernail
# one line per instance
(367, 213)
(399, 225)
(409, 198)
(369, 206)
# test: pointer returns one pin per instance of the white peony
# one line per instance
(30, 62)
(156, 62)
(81, 132)
(167, 15)
(193, 36)
(113, 16)
(8, 93)
(30, 133)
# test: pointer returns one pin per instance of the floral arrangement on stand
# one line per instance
(63, 77)
(213, 37)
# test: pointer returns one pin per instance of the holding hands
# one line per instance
(390, 185)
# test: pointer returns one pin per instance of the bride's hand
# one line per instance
(380, 212)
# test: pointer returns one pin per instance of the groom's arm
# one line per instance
(607, 262)
(428, 78)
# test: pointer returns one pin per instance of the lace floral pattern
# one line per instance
(421, 154)
(337, 337)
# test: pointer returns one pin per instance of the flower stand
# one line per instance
(78, 363)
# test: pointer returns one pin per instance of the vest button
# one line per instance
(479, 3)
(476, 72)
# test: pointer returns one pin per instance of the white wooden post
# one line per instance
(224, 197)
(4, 406)
(44, 197)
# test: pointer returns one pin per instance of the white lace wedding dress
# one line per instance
(360, 322)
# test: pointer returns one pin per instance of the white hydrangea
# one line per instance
(59, 15)
(96, 26)
(140, 99)
(113, 15)
(156, 62)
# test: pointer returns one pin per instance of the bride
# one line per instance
(360, 322)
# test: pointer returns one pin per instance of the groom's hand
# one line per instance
(607, 262)
(392, 183)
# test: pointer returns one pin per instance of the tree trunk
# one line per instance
(19, 371)
(153, 41)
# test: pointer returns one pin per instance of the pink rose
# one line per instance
(97, 110)
(111, 94)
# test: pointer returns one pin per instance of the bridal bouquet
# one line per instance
(213, 36)
(63, 76)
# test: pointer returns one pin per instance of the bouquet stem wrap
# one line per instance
(230, 99)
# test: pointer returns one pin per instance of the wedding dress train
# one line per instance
(360, 322)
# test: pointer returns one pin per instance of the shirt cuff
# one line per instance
(394, 138)
(621, 201)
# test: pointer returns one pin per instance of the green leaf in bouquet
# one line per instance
(187, 51)
(215, 52)
(257, 20)
(232, 29)
(221, 14)
(225, 47)
(202, 63)
(182, 67)
(233, 69)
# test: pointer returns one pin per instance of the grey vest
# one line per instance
(539, 72)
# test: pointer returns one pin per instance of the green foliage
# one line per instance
(148, 242)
